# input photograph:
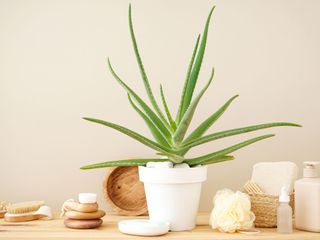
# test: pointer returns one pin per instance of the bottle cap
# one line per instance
(284, 196)
(87, 198)
(143, 227)
(310, 170)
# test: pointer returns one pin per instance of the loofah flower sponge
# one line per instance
(231, 211)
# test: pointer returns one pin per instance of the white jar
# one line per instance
(307, 199)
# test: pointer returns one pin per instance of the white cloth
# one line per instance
(271, 176)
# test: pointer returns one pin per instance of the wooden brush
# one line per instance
(3, 208)
(252, 188)
(23, 211)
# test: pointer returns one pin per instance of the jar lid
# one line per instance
(310, 169)
(143, 227)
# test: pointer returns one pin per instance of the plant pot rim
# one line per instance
(173, 175)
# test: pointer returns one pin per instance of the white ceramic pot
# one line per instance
(173, 194)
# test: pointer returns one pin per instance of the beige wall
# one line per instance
(53, 72)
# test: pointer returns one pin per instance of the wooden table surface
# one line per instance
(54, 229)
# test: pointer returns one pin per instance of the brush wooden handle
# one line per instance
(24, 218)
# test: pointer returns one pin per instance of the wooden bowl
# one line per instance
(124, 192)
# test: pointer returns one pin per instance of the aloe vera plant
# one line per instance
(169, 133)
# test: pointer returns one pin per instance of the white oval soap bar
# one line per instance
(142, 227)
(87, 198)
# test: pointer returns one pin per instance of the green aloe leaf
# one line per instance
(196, 68)
(143, 72)
(173, 157)
(122, 163)
(217, 160)
(132, 134)
(180, 113)
(202, 159)
(153, 129)
(233, 132)
(205, 125)
(165, 105)
(187, 117)
(154, 118)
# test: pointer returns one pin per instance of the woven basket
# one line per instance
(265, 209)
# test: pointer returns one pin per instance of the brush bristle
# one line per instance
(24, 207)
(3, 205)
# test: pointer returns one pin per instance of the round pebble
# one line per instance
(165, 164)
(85, 216)
(181, 165)
(83, 224)
(82, 207)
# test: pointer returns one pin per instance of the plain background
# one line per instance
(53, 72)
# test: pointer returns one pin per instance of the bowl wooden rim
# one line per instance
(109, 199)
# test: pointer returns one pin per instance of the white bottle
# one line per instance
(307, 199)
(284, 213)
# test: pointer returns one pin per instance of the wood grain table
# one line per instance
(54, 229)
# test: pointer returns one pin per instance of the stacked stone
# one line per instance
(83, 215)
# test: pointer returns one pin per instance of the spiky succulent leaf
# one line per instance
(154, 118)
(153, 129)
(196, 68)
(123, 163)
(161, 128)
(205, 125)
(217, 160)
(132, 134)
(232, 132)
(180, 113)
(187, 117)
(143, 72)
(172, 157)
(165, 105)
(225, 151)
